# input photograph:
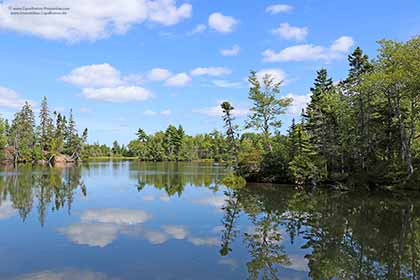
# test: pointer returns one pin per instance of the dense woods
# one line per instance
(362, 130)
(54, 139)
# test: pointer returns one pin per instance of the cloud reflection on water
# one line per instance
(100, 227)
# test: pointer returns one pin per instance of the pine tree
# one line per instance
(22, 134)
(231, 133)
(72, 141)
(45, 126)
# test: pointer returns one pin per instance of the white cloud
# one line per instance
(94, 235)
(278, 8)
(118, 95)
(177, 232)
(342, 44)
(221, 23)
(215, 201)
(137, 79)
(165, 11)
(200, 28)
(289, 32)
(211, 71)
(278, 75)
(116, 216)
(178, 80)
(295, 53)
(299, 103)
(158, 74)
(310, 52)
(10, 99)
(92, 20)
(154, 237)
(234, 51)
(6, 210)
(226, 84)
(96, 75)
(149, 112)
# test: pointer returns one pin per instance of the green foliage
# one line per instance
(234, 182)
(29, 142)
(266, 106)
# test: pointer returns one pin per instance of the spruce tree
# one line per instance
(45, 126)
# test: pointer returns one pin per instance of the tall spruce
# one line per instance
(45, 126)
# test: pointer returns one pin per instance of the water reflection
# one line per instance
(48, 187)
(178, 213)
(346, 236)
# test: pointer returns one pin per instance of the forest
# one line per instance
(360, 131)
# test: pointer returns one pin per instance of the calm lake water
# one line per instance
(133, 220)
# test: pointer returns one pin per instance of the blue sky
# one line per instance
(152, 63)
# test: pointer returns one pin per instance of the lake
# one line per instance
(136, 220)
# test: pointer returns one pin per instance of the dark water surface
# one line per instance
(132, 220)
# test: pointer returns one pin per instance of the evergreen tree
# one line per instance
(231, 133)
(22, 134)
(46, 126)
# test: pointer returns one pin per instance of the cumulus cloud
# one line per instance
(10, 99)
(119, 94)
(94, 235)
(226, 84)
(91, 20)
(211, 71)
(278, 8)
(165, 11)
(342, 44)
(158, 74)
(116, 216)
(222, 23)
(310, 52)
(154, 237)
(277, 74)
(178, 80)
(299, 103)
(289, 32)
(96, 75)
(176, 231)
(234, 51)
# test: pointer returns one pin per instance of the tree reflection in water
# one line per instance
(339, 235)
(347, 235)
(41, 186)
